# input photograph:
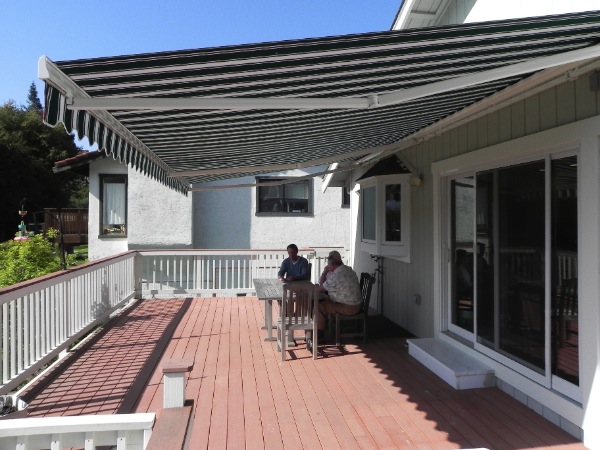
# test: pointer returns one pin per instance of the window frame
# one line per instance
(104, 178)
(399, 250)
(310, 187)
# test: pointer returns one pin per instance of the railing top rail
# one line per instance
(75, 424)
(9, 293)
(225, 251)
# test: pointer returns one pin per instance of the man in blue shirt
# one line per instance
(294, 267)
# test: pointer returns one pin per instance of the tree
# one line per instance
(28, 151)
(33, 101)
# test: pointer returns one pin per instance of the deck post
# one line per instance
(174, 377)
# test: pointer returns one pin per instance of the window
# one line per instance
(393, 216)
(385, 216)
(369, 213)
(345, 197)
(113, 205)
(276, 198)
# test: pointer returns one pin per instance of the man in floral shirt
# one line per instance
(343, 290)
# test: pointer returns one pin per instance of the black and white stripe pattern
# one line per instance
(342, 66)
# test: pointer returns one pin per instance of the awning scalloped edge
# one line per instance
(87, 125)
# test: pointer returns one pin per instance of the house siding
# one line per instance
(402, 281)
(570, 105)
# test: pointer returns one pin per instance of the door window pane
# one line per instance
(510, 261)
(565, 323)
(392, 213)
(462, 268)
(369, 207)
(484, 259)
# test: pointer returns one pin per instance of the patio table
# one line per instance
(267, 290)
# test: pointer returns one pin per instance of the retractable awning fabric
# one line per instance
(230, 111)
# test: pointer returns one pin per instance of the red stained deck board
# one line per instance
(357, 396)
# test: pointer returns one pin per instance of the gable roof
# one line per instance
(388, 166)
(79, 163)
(200, 115)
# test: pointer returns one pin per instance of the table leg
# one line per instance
(269, 320)
(267, 324)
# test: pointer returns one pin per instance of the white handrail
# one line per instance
(125, 431)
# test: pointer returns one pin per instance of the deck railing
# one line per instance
(40, 318)
(120, 431)
(43, 317)
(215, 272)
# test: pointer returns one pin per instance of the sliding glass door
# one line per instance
(513, 264)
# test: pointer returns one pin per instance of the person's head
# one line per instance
(334, 258)
(292, 251)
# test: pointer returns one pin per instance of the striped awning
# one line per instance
(201, 115)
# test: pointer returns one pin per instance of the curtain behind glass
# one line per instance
(114, 204)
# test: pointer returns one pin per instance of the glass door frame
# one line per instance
(548, 380)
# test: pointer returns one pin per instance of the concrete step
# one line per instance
(455, 367)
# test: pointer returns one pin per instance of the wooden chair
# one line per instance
(298, 312)
(366, 285)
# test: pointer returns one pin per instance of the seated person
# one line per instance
(329, 268)
(294, 267)
(343, 289)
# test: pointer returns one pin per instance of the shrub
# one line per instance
(24, 260)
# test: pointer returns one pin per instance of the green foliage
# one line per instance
(24, 260)
(28, 151)
(33, 101)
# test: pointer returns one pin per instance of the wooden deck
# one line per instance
(359, 396)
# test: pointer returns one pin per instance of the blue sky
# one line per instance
(74, 29)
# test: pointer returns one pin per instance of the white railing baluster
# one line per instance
(26, 332)
(5, 353)
(13, 340)
(38, 321)
(32, 314)
(21, 331)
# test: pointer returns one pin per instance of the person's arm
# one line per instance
(328, 269)
(283, 269)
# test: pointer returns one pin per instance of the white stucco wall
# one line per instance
(227, 219)
(157, 217)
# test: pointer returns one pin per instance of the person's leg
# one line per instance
(327, 307)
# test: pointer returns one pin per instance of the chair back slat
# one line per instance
(297, 304)
(299, 307)
(366, 285)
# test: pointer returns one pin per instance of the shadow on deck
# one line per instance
(360, 395)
